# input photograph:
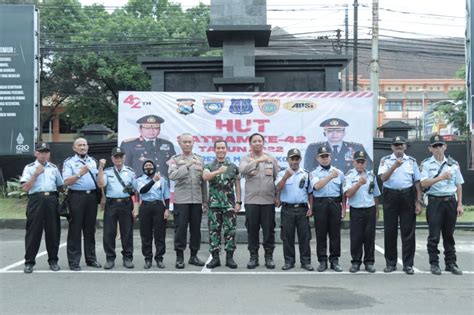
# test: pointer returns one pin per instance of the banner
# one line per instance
(19, 80)
(303, 120)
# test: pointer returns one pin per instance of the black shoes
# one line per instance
(434, 268)
(323, 265)
(269, 263)
(28, 269)
(307, 267)
(215, 261)
(127, 263)
(288, 266)
(229, 260)
(160, 264)
(335, 266)
(109, 264)
(390, 268)
(409, 270)
(94, 264)
(194, 260)
(54, 267)
(354, 268)
(75, 268)
(179, 262)
(454, 269)
(147, 264)
(253, 262)
(370, 268)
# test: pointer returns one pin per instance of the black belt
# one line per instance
(335, 199)
(145, 202)
(45, 193)
(294, 205)
(401, 191)
(82, 191)
(442, 198)
(118, 199)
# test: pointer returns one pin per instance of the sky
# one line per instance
(398, 18)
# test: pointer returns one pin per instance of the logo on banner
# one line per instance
(213, 106)
(300, 106)
(185, 105)
(241, 106)
(269, 106)
(20, 147)
(133, 101)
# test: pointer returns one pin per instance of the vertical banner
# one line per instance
(18, 79)
(304, 120)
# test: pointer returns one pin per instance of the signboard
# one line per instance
(287, 120)
(18, 79)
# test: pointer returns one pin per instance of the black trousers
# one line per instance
(295, 219)
(118, 212)
(42, 213)
(263, 216)
(153, 225)
(327, 222)
(441, 216)
(84, 215)
(362, 235)
(184, 214)
(399, 205)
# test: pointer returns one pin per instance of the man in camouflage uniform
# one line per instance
(224, 190)
(341, 151)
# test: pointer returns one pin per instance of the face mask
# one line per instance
(149, 171)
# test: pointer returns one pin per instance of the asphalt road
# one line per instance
(222, 290)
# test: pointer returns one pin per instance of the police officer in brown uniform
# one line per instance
(190, 196)
(148, 146)
(341, 151)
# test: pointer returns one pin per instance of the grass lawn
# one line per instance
(15, 208)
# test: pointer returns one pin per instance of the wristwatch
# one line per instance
(78, 175)
(239, 203)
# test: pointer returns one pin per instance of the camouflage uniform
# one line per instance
(221, 205)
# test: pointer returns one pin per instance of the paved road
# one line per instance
(198, 290)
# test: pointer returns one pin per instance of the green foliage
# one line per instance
(14, 189)
(456, 111)
(90, 54)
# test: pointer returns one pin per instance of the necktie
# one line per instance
(334, 148)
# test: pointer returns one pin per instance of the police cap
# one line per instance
(437, 139)
(150, 120)
(334, 123)
(323, 150)
(293, 152)
(117, 151)
(42, 147)
(360, 155)
(399, 140)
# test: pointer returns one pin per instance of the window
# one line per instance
(393, 106)
(414, 106)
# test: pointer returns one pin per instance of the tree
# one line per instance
(455, 111)
(89, 54)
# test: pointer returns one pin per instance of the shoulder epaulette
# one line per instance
(31, 164)
(68, 159)
(412, 158)
(425, 160)
(129, 168)
(385, 157)
(94, 159)
(129, 140)
(53, 165)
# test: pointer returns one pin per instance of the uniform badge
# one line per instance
(241, 106)
(165, 147)
(269, 107)
(348, 156)
(213, 106)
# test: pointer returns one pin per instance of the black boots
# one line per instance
(229, 260)
(215, 262)
(269, 263)
(179, 259)
(253, 262)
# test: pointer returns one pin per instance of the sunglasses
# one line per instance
(397, 144)
(360, 161)
(323, 156)
(437, 145)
